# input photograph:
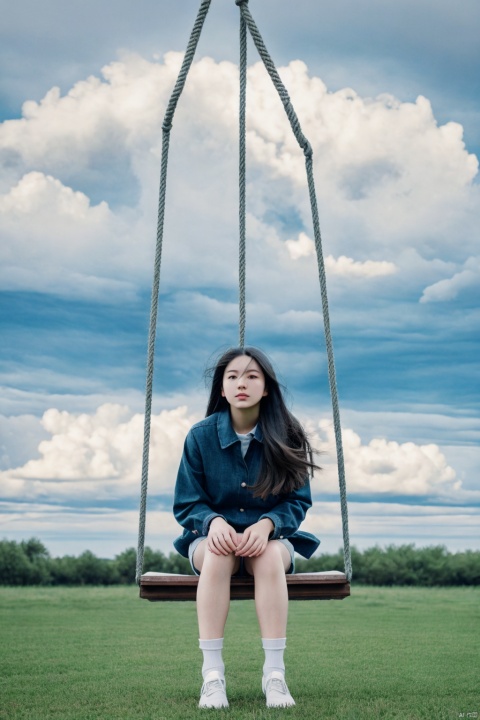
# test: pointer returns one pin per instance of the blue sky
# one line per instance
(389, 98)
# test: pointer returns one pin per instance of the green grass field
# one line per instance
(88, 653)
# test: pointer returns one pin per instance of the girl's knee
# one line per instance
(220, 564)
(271, 561)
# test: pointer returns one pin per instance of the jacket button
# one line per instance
(242, 510)
(244, 484)
(281, 537)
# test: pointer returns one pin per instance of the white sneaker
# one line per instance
(213, 693)
(276, 690)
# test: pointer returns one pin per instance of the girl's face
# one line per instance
(243, 383)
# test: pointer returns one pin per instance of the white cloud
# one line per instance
(386, 466)
(386, 170)
(351, 268)
(99, 455)
(53, 238)
(95, 117)
(305, 247)
(91, 460)
(450, 288)
(302, 247)
(388, 178)
(36, 192)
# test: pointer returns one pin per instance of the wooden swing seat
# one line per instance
(327, 585)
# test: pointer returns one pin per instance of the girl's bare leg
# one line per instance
(271, 594)
(213, 592)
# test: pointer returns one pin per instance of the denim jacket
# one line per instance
(213, 481)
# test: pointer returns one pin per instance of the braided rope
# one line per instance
(307, 149)
(166, 127)
(242, 181)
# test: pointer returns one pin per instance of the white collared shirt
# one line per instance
(245, 440)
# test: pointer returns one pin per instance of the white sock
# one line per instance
(212, 656)
(274, 649)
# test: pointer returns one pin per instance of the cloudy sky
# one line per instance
(388, 95)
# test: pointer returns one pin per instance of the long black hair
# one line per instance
(287, 453)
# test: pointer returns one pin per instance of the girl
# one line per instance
(242, 491)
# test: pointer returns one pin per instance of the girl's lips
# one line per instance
(241, 396)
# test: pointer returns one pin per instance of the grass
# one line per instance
(91, 653)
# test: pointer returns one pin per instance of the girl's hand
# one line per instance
(255, 539)
(222, 538)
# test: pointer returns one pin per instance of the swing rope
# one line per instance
(166, 127)
(242, 181)
(246, 22)
(308, 152)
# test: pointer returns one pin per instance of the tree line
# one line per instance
(29, 563)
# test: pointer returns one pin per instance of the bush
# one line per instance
(403, 565)
(25, 563)
(126, 564)
(29, 563)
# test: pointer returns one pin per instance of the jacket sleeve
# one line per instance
(191, 502)
(290, 512)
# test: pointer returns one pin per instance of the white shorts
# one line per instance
(241, 570)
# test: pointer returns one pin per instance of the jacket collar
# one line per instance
(226, 433)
